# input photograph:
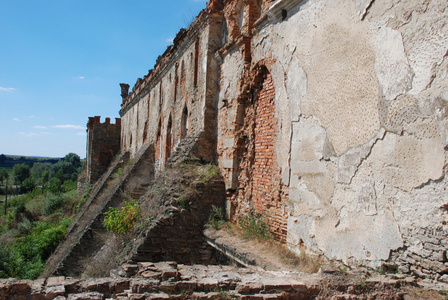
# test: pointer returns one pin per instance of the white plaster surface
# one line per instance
(367, 137)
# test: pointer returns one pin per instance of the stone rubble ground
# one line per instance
(169, 280)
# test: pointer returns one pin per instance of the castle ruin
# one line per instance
(328, 117)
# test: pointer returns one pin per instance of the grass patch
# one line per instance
(254, 225)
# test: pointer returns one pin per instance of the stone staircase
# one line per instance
(86, 236)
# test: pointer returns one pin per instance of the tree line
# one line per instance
(24, 178)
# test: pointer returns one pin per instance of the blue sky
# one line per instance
(61, 61)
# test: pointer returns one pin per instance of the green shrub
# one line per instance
(69, 185)
(254, 225)
(118, 173)
(25, 259)
(51, 203)
(121, 221)
(83, 199)
(184, 203)
(210, 173)
(28, 185)
(216, 218)
(25, 226)
(55, 185)
(43, 239)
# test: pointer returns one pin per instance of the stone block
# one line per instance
(226, 163)
(52, 281)
(52, 292)
(86, 296)
(247, 288)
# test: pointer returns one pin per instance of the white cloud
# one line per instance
(68, 126)
(17, 120)
(169, 40)
(4, 89)
(81, 133)
(40, 127)
(30, 134)
(81, 77)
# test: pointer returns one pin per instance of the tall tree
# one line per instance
(21, 172)
(45, 179)
(73, 159)
(3, 175)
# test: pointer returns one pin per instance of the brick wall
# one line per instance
(259, 183)
(103, 143)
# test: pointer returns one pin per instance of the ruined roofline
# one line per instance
(183, 39)
(96, 121)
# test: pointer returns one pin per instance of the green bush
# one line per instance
(69, 185)
(121, 221)
(254, 225)
(55, 185)
(43, 239)
(216, 218)
(51, 204)
(25, 259)
(28, 185)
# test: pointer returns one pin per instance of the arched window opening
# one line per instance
(158, 150)
(176, 82)
(145, 132)
(160, 93)
(182, 79)
(225, 33)
(168, 141)
(184, 123)
(149, 104)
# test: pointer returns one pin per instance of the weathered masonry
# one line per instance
(103, 143)
(329, 117)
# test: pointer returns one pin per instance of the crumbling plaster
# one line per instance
(362, 123)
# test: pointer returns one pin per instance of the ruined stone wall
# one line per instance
(177, 98)
(329, 117)
(360, 142)
(103, 143)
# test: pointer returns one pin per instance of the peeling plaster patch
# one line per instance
(308, 140)
(362, 238)
(312, 178)
(300, 230)
(391, 64)
(362, 7)
(395, 115)
(367, 197)
(342, 59)
(406, 162)
(296, 87)
(282, 104)
(423, 58)
(350, 162)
